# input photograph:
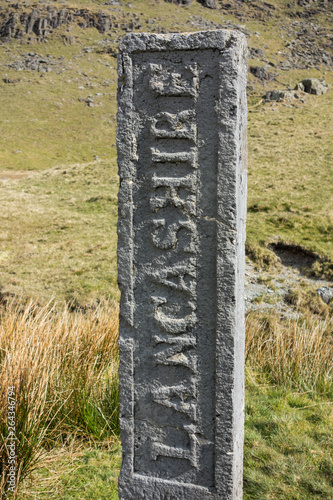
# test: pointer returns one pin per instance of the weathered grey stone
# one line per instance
(326, 293)
(312, 86)
(280, 95)
(211, 4)
(180, 2)
(261, 73)
(182, 203)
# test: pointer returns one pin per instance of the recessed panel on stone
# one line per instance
(182, 165)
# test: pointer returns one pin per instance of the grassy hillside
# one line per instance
(291, 176)
(63, 241)
(66, 115)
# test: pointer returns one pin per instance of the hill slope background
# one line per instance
(58, 123)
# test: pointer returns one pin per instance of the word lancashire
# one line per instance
(181, 231)
(174, 149)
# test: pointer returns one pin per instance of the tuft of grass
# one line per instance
(76, 473)
(261, 255)
(62, 367)
(322, 268)
(288, 443)
(292, 353)
(305, 299)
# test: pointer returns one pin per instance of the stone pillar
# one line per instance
(182, 204)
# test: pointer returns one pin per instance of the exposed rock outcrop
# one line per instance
(211, 4)
(35, 62)
(261, 73)
(180, 2)
(312, 86)
(16, 21)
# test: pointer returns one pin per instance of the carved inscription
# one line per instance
(174, 80)
(182, 167)
(165, 236)
(190, 454)
(173, 166)
(174, 125)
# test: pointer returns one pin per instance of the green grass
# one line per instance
(63, 241)
(96, 477)
(290, 175)
(288, 452)
(288, 444)
(90, 473)
(44, 123)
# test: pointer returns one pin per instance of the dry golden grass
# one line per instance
(63, 367)
(293, 353)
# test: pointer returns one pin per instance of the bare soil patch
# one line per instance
(11, 175)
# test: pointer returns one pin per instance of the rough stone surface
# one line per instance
(326, 293)
(182, 203)
(211, 4)
(41, 22)
(261, 73)
(280, 95)
(312, 86)
(180, 2)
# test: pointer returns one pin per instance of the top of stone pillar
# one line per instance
(219, 39)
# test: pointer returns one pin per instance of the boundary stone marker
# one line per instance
(182, 160)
